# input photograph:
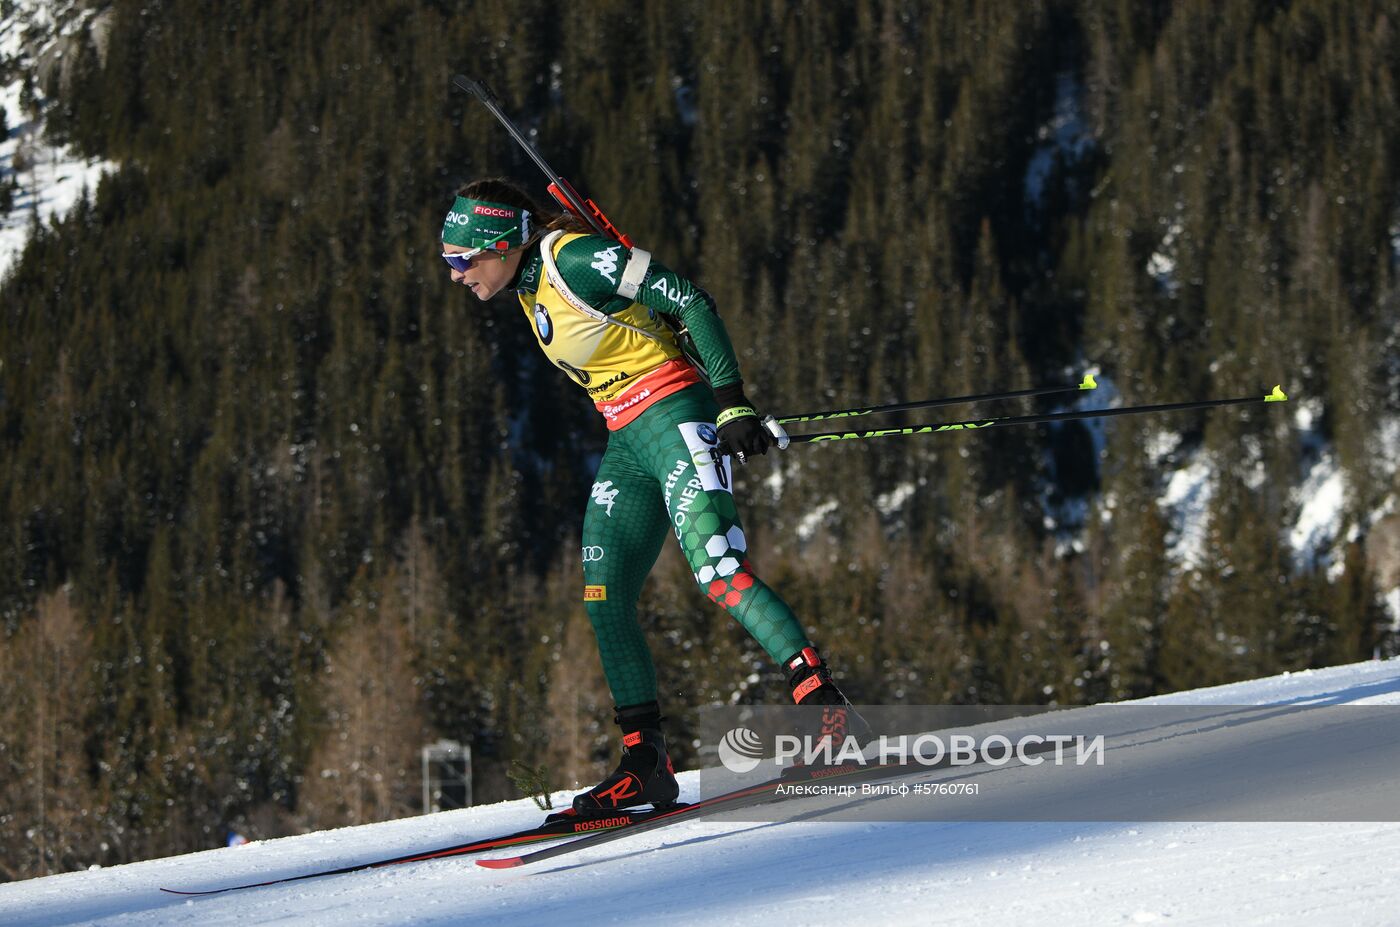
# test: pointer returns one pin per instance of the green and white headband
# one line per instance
(483, 225)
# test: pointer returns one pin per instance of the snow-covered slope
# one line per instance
(50, 178)
(807, 872)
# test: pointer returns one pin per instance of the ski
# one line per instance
(563, 824)
(747, 797)
(729, 801)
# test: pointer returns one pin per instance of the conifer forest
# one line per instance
(280, 505)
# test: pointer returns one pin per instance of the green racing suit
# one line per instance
(658, 476)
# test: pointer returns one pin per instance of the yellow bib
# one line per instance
(608, 355)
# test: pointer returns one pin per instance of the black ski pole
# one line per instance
(783, 438)
(1086, 384)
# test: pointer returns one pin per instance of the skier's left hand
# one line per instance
(741, 430)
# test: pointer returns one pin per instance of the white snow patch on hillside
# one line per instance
(1388, 434)
(1321, 498)
(1065, 137)
(890, 502)
(776, 481)
(1187, 504)
(807, 526)
(1322, 495)
(51, 179)
(1161, 266)
(48, 190)
(1307, 413)
(1161, 445)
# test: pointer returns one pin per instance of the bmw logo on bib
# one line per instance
(707, 434)
(543, 323)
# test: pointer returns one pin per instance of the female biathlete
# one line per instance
(600, 312)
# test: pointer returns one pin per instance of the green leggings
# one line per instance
(657, 478)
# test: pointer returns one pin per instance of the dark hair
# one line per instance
(500, 190)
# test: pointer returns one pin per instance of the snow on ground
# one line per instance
(1161, 266)
(1388, 437)
(890, 502)
(809, 523)
(729, 873)
(50, 187)
(1065, 137)
(1322, 496)
(1187, 502)
(51, 179)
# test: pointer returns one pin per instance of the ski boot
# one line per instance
(645, 775)
(812, 685)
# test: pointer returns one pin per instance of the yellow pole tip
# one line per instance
(1277, 395)
(1088, 382)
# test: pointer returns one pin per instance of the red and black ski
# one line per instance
(564, 824)
(758, 794)
(779, 789)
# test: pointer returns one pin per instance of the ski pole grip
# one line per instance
(780, 435)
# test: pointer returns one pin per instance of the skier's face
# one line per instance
(489, 271)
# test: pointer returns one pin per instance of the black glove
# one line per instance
(741, 432)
